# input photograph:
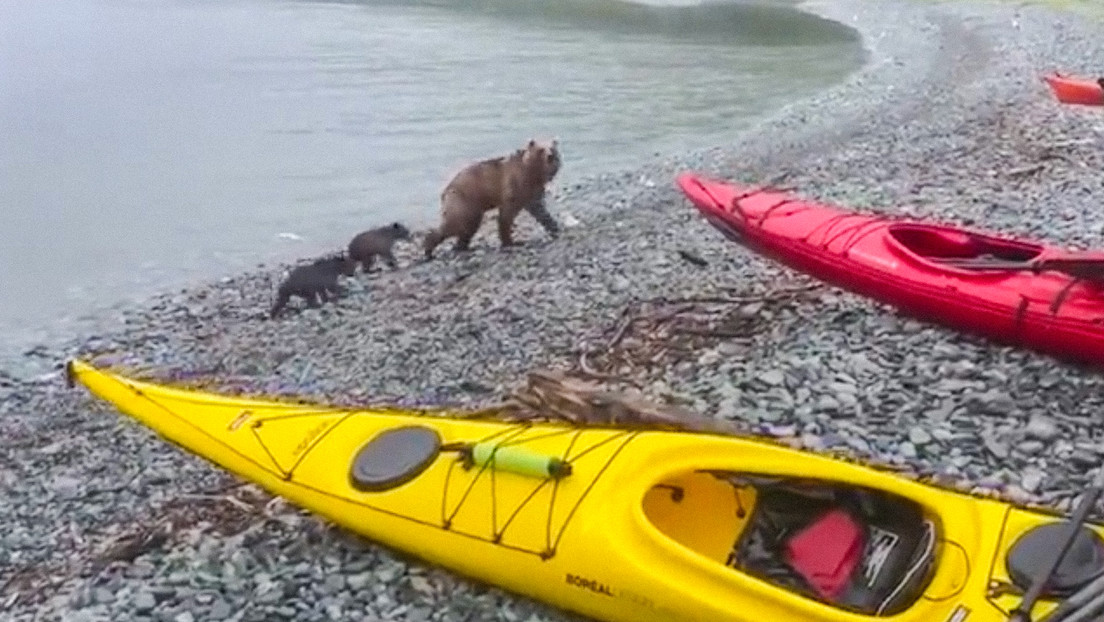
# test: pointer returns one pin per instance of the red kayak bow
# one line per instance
(1081, 91)
(1013, 291)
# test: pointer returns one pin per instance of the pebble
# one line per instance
(919, 436)
(998, 448)
(773, 377)
(103, 596)
(907, 450)
(1032, 480)
(1042, 428)
(144, 602)
(359, 581)
(1031, 447)
(334, 583)
(220, 610)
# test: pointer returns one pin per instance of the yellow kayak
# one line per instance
(629, 524)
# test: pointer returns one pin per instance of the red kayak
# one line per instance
(1081, 91)
(1013, 291)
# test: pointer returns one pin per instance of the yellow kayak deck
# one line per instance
(617, 524)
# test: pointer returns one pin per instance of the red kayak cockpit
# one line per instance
(947, 248)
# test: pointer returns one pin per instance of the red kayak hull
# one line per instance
(903, 263)
(1084, 92)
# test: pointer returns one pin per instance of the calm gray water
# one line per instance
(150, 143)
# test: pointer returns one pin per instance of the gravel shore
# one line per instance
(104, 521)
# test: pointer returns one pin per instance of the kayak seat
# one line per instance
(855, 549)
(942, 244)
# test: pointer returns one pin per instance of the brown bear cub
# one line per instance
(368, 244)
(508, 183)
(315, 282)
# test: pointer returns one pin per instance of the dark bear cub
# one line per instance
(315, 282)
(367, 245)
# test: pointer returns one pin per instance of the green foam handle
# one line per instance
(519, 460)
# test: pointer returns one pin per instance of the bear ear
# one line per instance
(532, 144)
(396, 225)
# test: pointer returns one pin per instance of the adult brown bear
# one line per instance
(509, 184)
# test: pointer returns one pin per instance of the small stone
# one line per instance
(996, 402)
(709, 358)
(858, 444)
(220, 610)
(773, 377)
(942, 435)
(908, 450)
(65, 485)
(781, 430)
(1030, 447)
(847, 400)
(951, 385)
(334, 584)
(996, 447)
(1083, 459)
(103, 596)
(1017, 494)
(1032, 480)
(843, 388)
(421, 585)
(387, 574)
(140, 570)
(767, 415)
(730, 408)
(270, 596)
(730, 349)
(359, 581)
(185, 616)
(919, 436)
(1042, 428)
(144, 602)
(812, 442)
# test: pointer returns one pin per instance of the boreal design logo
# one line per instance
(590, 584)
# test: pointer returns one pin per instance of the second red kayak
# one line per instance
(1013, 291)
(1081, 91)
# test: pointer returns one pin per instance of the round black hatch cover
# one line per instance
(394, 457)
(1083, 561)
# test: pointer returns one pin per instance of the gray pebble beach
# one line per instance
(949, 121)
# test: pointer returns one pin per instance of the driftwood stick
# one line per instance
(1026, 170)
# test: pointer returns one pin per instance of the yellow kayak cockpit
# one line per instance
(861, 550)
(625, 524)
